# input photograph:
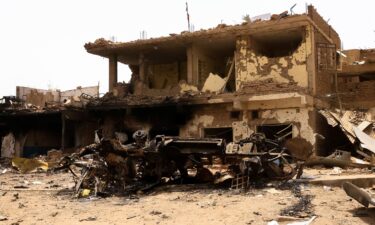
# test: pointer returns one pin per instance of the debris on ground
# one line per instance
(25, 165)
(358, 128)
(109, 166)
(90, 218)
(306, 222)
(339, 158)
(3, 218)
(359, 194)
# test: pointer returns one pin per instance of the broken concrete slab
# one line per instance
(185, 87)
(363, 125)
(336, 162)
(330, 119)
(360, 180)
(214, 83)
(367, 142)
(358, 194)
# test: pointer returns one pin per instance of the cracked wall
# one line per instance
(302, 119)
(253, 67)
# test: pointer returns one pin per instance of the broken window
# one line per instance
(277, 44)
(273, 131)
(254, 114)
(235, 115)
(225, 133)
(326, 56)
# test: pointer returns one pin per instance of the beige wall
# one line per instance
(37, 96)
(251, 67)
(92, 91)
(161, 76)
(40, 97)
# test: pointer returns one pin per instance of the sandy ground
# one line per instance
(47, 199)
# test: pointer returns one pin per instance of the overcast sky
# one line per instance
(41, 41)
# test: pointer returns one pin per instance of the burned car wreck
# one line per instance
(110, 166)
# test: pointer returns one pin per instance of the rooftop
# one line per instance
(223, 36)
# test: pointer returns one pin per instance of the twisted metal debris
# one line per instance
(109, 166)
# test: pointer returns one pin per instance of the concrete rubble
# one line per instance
(248, 107)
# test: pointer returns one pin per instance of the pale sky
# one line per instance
(41, 41)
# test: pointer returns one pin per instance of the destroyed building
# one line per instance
(271, 76)
(36, 120)
(227, 82)
(356, 79)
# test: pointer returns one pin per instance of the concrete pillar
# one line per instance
(112, 72)
(142, 68)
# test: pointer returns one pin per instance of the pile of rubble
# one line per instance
(359, 129)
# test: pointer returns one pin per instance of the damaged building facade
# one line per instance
(227, 82)
(36, 121)
(270, 76)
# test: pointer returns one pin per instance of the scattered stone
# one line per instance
(250, 222)
(15, 197)
(21, 187)
(174, 199)
(273, 191)
(154, 212)
(54, 214)
(37, 182)
(3, 218)
(327, 188)
(90, 218)
(130, 217)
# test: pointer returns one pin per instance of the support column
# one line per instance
(112, 73)
(142, 67)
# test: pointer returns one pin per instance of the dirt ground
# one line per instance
(40, 198)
